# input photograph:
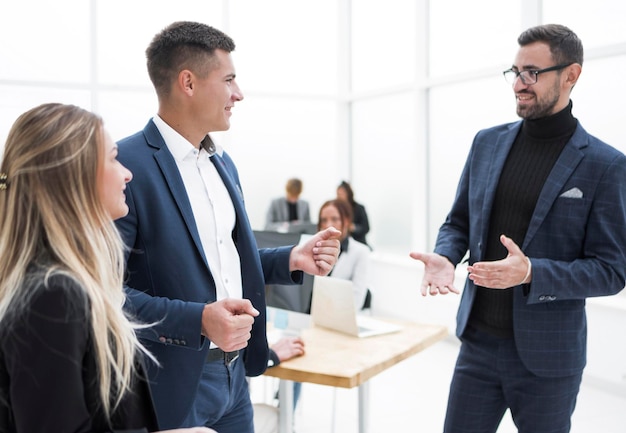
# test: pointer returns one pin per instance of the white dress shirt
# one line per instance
(213, 210)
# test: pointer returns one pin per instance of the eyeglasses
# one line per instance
(529, 77)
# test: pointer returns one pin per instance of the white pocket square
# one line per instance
(572, 193)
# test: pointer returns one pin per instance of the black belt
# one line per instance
(218, 354)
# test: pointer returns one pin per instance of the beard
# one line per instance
(542, 106)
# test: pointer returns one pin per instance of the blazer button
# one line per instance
(542, 298)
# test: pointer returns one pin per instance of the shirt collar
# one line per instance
(179, 146)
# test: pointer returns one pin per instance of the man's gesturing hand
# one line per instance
(228, 323)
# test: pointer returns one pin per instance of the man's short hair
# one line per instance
(565, 46)
(184, 45)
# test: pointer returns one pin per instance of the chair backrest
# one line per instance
(287, 297)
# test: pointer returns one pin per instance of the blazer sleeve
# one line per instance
(275, 265)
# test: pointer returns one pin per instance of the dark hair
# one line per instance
(183, 45)
(565, 46)
(346, 186)
(344, 208)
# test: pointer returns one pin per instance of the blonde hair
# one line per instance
(51, 215)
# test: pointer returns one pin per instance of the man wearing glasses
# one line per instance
(541, 208)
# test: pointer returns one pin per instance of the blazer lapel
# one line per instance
(169, 169)
(502, 146)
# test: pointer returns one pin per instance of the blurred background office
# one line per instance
(384, 94)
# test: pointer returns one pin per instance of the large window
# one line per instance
(387, 95)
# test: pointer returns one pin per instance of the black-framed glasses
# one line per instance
(529, 77)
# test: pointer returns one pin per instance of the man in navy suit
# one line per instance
(541, 208)
(194, 269)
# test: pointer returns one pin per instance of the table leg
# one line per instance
(364, 399)
(285, 406)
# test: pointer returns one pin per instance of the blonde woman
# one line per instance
(69, 358)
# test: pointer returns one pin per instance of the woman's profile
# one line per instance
(69, 357)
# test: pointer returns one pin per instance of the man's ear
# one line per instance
(572, 72)
(185, 81)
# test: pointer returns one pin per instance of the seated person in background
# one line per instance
(352, 264)
(69, 358)
(360, 225)
(266, 416)
(354, 256)
(288, 209)
(285, 349)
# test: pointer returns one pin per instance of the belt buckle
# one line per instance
(228, 361)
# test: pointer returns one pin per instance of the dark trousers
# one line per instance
(223, 399)
(490, 377)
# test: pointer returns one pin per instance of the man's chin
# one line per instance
(522, 112)
(225, 126)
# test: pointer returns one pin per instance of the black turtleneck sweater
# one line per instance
(530, 160)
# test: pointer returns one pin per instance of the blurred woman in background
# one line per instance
(360, 225)
(354, 257)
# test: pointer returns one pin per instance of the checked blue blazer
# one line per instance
(576, 242)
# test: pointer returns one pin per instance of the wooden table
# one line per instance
(340, 360)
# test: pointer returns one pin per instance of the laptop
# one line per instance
(332, 307)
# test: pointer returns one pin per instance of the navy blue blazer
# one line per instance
(576, 242)
(169, 280)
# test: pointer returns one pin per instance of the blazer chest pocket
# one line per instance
(567, 221)
(571, 208)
